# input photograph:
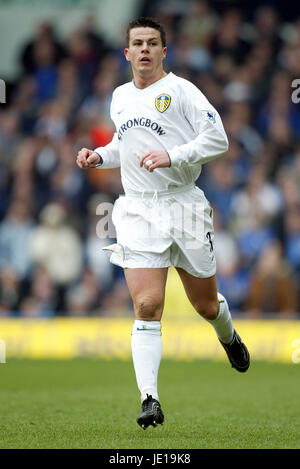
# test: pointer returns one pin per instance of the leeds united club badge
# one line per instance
(162, 102)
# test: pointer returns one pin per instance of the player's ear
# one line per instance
(126, 53)
(164, 52)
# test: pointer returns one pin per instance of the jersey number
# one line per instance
(208, 235)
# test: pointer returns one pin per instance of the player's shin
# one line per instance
(146, 344)
(223, 322)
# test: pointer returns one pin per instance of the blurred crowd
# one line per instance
(51, 261)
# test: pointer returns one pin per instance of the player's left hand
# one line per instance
(160, 159)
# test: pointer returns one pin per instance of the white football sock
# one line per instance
(223, 322)
(146, 345)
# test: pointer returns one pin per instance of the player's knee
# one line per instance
(208, 309)
(148, 309)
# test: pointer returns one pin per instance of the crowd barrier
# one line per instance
(183, 338)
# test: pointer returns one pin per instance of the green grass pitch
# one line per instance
(89, 403)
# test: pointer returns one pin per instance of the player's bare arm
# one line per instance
(155, 159)
(87, 158)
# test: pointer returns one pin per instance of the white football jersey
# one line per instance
(171, 115)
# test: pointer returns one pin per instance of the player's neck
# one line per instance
(144, 82)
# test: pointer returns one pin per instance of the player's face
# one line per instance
(145, 52)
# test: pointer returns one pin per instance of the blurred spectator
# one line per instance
(98, 102)
(66, 184)
(266, 26)
(52, 122)
(279, 119)
(233, 281)
(83, 297)
(96, 258)
(87, 49)
(9, 139)
(254, 212)
(219, 184)
(289, 187)
(272, 289)
(228, 40)
(118, 302)
(292, 236)
(257, 204)
(292, 242)
(45, 73)
(200, 23)
(67, 91)
(240, 87)
(16, 231)
(10, 290)
(44, 35)
(96, 40)
(190, 57)
(238, 124)
(41, 299)
(57, 248)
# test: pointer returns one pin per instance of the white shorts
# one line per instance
(167, 228)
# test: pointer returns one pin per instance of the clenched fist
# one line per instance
(87, 158)
(155, 159)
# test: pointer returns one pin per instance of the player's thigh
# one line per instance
(202, 292)
(147, 289)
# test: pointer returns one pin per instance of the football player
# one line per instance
(166, 129)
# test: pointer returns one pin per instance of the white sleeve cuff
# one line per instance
(174, 155)
(98, 165)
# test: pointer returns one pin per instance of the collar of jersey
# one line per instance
(140, 90)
